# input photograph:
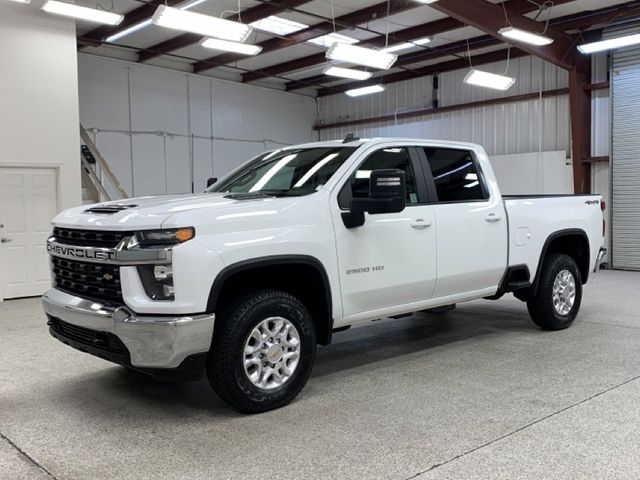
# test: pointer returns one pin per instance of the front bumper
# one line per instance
(151, 342)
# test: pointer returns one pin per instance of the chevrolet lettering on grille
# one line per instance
(66, 251)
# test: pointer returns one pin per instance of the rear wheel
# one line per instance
(263, 353)
(557, 301)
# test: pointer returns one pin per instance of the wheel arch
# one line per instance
(310, 284)
(573, 242)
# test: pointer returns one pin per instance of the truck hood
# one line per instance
(144, 212)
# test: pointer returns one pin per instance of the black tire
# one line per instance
(225, 364)
(541, 307)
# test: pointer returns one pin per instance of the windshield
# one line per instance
(286, 172)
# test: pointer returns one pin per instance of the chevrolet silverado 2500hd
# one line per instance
(244, 280)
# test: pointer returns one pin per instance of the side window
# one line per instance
(397, 157)
(455, 174)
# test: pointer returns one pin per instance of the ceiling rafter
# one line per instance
(405, 35)
(577, 21)
(249, 15)
(489, 18)
(374, 12)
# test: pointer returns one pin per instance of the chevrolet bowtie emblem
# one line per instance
(107, 276)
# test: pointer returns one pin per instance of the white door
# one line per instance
(471, 221)
(391, 259)
(28, 202)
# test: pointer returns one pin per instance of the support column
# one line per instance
(580, 107)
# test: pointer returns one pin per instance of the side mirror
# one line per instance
(211, 181)
(387, 194)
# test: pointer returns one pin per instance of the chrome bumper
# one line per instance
(153, 342)
(601, 254)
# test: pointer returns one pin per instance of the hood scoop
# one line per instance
(109, 209)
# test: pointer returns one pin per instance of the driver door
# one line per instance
(390, 261)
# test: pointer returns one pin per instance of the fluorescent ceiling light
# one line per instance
(22, 1)
(327, 40)
(525, 36)
(357, 92)
(347, 73)
(82, 13)
(341, 52)
(406, 45)
(278, 25)
(426, 2)
(610, 44)
(200, 24)
(139, 26)
(489, 80)
(227, 46)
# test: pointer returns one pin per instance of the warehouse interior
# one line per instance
(95, 112)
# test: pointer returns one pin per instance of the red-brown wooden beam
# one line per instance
(516, 7)
(596, 86)
(602, 159)
(449, 66)
(490, 17)
(249, 15)
(374, 12)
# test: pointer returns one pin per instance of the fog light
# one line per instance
(162, 272)
(168, 291)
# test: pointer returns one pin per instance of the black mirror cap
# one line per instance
(388, 183)
(211, 181)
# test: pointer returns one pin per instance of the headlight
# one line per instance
(156, 238)
(157, 281)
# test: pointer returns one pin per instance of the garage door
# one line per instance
(28, 202)
(625, 165)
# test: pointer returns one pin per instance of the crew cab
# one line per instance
(244, 280)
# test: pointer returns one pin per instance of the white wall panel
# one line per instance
(164, 125)
(520, 127)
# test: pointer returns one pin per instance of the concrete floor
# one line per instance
(478, 393)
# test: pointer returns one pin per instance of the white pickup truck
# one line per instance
(244, 280)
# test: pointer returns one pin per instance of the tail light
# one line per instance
(603, 206)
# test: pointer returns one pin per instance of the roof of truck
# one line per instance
(381, 140)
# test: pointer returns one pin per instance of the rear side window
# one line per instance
(455, 174)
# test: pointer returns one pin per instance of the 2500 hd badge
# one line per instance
(72, 252)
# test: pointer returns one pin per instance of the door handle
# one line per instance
(492, 217)
(421, 223)
(5, 240)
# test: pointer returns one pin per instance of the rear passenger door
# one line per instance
(471, 227)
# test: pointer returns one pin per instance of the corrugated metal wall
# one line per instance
(520, 127)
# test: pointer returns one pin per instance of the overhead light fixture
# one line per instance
(327, 40)
(358, 92)
(406, 45)
(82, 13)
(278, 25)
(227, 46)
(525, 36)
(21, 1)
(341, 52)
(144, 24)
(610, 44)
(347, 73)
(481, 78)
(426, 2)
(198, 23)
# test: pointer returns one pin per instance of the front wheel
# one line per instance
(557, 301)
(263, 353)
